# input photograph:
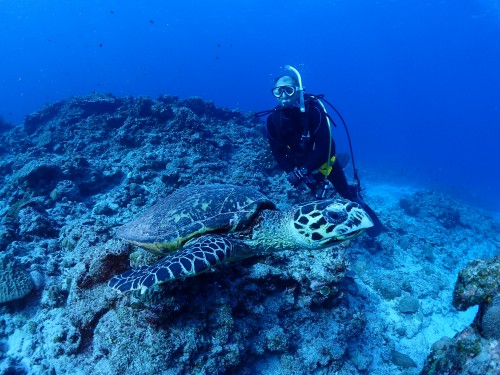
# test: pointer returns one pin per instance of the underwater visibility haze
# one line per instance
(108, 106)
(417, 81)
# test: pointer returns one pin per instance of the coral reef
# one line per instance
(475, 350)
(489, 320)
(466, 353)
(79, 168)
(432, 204)
(15, 282)
(477, 283)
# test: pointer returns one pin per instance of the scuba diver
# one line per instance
(300, 138)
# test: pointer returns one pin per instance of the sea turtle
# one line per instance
(211, 224)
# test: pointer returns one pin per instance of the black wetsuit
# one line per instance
(303, 140)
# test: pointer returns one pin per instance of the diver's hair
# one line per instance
(292, 78)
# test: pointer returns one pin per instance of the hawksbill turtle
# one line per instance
(199, 227)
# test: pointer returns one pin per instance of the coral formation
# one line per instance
(477, 282)
(489, 322)
(15, 281)
(466, 353)
(408, 305)
(78, 169)
(435, 205)
(475, 350)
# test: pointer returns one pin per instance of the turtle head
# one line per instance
(325, 223)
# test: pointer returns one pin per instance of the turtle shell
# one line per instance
(192, 211)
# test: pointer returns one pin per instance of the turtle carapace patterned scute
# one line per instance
(199, 227)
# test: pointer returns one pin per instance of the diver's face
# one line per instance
(284, 87)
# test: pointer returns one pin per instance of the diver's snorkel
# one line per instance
(303, 109)
(301, 89)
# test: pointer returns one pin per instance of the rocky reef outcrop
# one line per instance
(79, 168)
(475, 350)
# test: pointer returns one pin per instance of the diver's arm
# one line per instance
(277, 148)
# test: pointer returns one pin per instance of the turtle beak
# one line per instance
(356, 222)
(360, 217)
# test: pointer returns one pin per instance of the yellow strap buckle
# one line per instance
(326, 168)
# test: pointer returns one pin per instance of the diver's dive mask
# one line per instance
(288, 90)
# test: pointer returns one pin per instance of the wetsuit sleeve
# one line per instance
(277, 148)
(321, 137)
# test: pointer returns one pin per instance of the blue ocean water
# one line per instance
(418, 81)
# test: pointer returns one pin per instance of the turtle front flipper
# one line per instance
(197, 256)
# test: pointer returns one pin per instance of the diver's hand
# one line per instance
(322, 190)
(296, 176)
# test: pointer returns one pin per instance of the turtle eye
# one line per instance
(334, 216)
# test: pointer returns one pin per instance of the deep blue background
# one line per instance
(417, 81)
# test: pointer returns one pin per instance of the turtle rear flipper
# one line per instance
(198, 256)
